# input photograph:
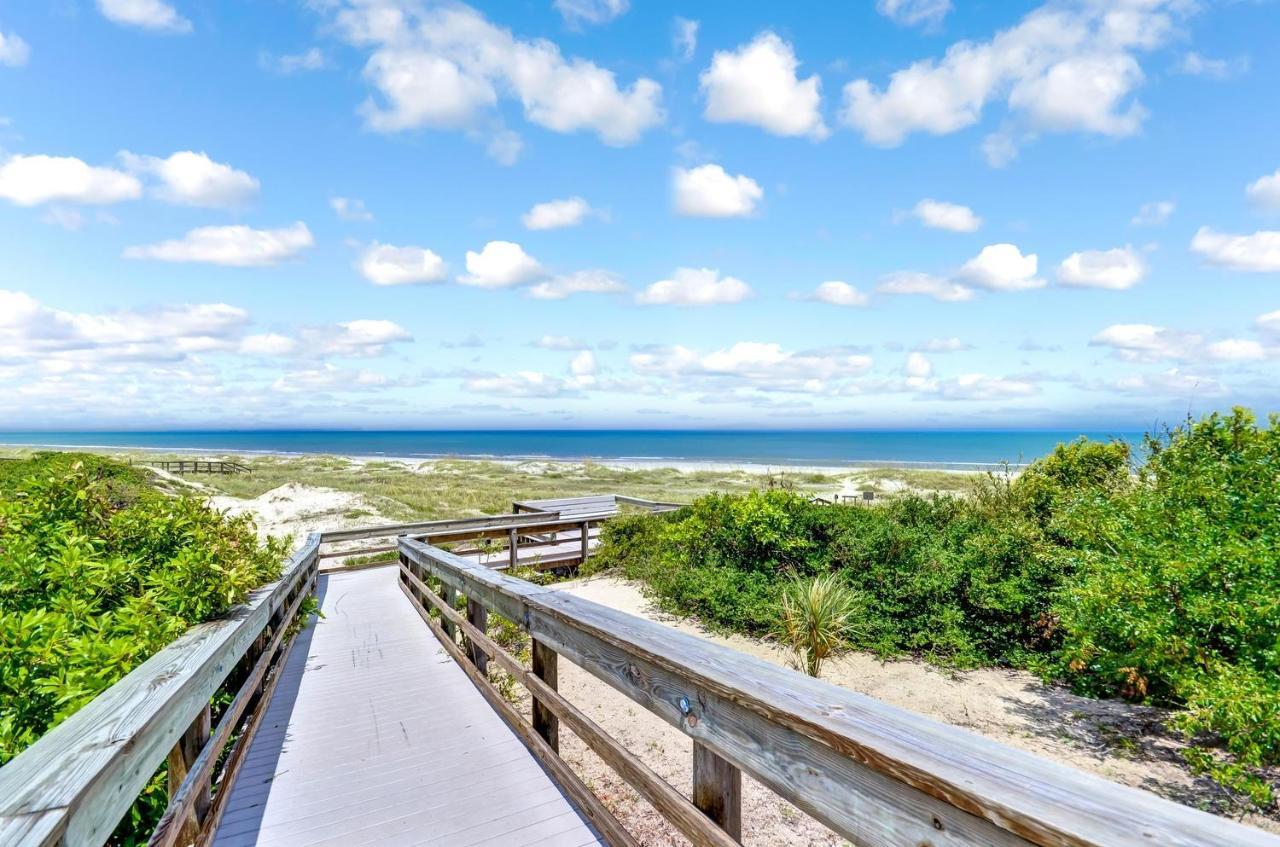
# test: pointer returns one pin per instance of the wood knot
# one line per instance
(937, 823)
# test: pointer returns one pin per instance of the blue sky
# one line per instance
(904, 213)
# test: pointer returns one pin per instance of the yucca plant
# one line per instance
(818, 618)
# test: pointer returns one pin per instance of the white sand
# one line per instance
(294, 509)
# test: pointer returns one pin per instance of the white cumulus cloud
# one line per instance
(579, 12)
(911, 282)
(926, 13)
(838, 293)
(1195, 64)
(386, 264)
(695, 287)
(446, 67)
(233, 246)
(583, 363)
(154, 15)
(501, 264)
(980, 386)
(350, 209)
(708, 191)
(364, 338)
(312, 59)
(1259, 252)
(949, 216)
(1002, 267)
(13, 50)
(918, 366)
(1117, 269)
(556, 214)
(757, 84)
(579, 282)
(560, 342)
(1066, 66)
(684, 37)
(1237, 350)
(267, 344)
(32, 180)
(1154, 213)
(193, 179)
(1265, 191)
(1148, 343)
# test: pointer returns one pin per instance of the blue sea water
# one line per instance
(771, 447)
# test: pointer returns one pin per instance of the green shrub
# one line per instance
(97, 572)
(1156, 583)
(1177, 598)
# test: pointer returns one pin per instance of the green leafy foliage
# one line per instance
(1157, 583)
(97, 572)
(1177, 594)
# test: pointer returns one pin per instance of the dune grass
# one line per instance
(460, 487)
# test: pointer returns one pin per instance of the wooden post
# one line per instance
(478, 616)
(586, 536)
(450, 597)
(717, 790)
(513, 543)
(180, 760)
(546, 667)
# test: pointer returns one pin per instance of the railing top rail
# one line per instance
(763, 718)
(437, 526)
(78, 780)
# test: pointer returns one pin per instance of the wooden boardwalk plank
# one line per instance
(375, 736)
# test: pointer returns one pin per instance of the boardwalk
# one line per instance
(375, 735)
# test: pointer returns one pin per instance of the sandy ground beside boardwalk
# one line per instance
(1115, 740)
(297, 510)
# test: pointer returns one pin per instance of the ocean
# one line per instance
(932, 448)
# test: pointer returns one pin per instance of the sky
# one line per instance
(560, 213)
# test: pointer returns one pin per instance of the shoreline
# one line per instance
(681, 464)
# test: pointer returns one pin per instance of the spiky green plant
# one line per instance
(819, 616)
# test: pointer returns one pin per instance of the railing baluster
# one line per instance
(181, 758)
(451, 597)
(717, 790)
(546, 666)
(478, 616)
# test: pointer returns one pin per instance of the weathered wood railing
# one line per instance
(878, 775)
(524, 529)
(75, 784)
(183, 466)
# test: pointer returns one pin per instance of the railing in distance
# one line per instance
(878, 775)
(75, 784)
(522, 530)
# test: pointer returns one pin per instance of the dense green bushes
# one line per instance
(1160, 583)
(97, 572)
(1177, 592)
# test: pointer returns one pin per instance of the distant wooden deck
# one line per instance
(375, 735)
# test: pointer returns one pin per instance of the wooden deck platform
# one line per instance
(375, 736)
(566, 551)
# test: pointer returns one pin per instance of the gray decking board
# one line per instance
(375, 736)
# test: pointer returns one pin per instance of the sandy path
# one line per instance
(1115, 740)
